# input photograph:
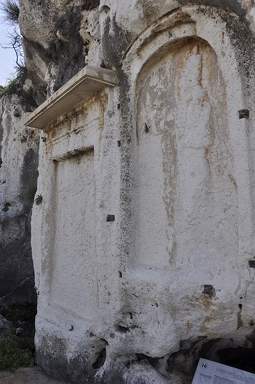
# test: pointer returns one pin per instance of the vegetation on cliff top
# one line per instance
(15, 85)
(16, 352)
(11, 10)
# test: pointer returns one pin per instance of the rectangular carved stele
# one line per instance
(74, 264)
(65, 250)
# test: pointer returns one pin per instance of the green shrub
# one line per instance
(15, 85)
(15, 352)
(1, 90)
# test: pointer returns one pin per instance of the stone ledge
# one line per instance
(82, 86)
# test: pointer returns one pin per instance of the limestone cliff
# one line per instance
(60, 38)
(18, 177)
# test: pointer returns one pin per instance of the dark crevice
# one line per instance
(122, 329)
(88, 5)
(224, 351)
(100, 359)
(242, 358)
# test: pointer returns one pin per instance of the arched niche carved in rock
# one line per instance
(192, 204)
(186, 188)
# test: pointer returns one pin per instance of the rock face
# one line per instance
(143, 224)
(57, 38)
(26, 376)
(18, 178)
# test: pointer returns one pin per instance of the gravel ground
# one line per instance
(26, 376)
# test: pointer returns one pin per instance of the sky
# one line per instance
(7, 56)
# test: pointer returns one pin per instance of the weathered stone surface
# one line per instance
(5, 326)
(27, 376)
(18, 178)
(139, 298)
(57, 38)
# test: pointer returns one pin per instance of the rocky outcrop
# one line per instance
(18, 178)
(60, 37)
(27, 376)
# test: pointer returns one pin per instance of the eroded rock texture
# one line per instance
(175, 277)
(57, 38)
(18, 178)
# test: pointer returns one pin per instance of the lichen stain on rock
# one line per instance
(28, 181)
(115, 41)
(238, 29)
(150, 9)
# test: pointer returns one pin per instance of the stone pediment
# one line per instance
(85, 84)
